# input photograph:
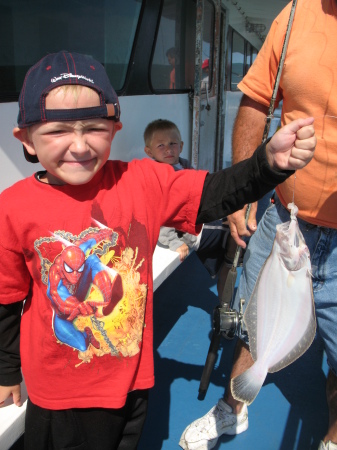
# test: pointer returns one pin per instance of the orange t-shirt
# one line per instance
(308, 87)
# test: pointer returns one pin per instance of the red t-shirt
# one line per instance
(61, 248)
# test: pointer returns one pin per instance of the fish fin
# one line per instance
(246, 386)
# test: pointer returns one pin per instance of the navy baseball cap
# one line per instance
(64, 68)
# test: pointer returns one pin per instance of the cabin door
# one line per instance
(208, 116)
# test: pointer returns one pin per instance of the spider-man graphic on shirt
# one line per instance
(69, 280)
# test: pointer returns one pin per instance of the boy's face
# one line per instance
(72, 152)
(165, 146)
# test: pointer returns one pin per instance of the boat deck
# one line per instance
(290, 411)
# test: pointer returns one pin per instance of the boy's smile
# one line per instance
(72, 152)
(165, 146)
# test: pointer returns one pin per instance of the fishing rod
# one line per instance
(227, 321)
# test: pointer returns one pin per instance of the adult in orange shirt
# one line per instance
(308, 87)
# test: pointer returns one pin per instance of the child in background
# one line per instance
(76, 247)
(163, 144)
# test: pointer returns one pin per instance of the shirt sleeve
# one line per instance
(229, 190)
(15, 279)
(172, 197)
(10, 362)
(14, 276)
(15, 283)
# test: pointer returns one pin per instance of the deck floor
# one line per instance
(290, 411)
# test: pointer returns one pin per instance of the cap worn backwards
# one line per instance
(64, 68)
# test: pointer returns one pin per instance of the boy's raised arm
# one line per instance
(228, 190)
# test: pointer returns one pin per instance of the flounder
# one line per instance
(280, 315)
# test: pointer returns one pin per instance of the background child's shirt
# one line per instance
(172, 238)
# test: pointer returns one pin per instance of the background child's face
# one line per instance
(72, 152)
(165, 146)
(171, 60)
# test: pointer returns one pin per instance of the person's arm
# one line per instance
(10, 362)
(168, 237)
(248, 129)
(228, 190)
(247, 135)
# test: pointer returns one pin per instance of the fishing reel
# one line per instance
(227, 321)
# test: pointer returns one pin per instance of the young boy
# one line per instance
(76, 243)
(163, 144)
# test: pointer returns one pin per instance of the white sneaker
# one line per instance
(328, 446)
(203, 433)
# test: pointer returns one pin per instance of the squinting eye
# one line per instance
(57, 132)
(81, 268)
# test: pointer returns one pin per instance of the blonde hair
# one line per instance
(74, 89)
(159, 125)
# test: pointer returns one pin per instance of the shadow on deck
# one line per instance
(290, 412)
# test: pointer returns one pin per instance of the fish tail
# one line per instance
(246, 386)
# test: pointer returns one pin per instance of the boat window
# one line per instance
(248, 57)
(251, 54)
(238, 60)
(173, 57)
(207, 46)
(254, 55)
(31, 29)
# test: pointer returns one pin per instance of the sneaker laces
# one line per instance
(227, 417)
(219, 414)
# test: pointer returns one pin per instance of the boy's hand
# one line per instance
(292, 147)
(183, 251)
(7, 391)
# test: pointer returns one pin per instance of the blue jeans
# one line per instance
(322, 244)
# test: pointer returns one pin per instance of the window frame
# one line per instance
(12, 95)
(250, 52)
(168, 90)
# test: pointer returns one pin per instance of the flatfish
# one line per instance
(280, 315)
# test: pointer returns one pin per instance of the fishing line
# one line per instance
(294, 188)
